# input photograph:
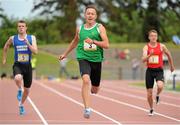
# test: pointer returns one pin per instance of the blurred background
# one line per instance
(53, 22)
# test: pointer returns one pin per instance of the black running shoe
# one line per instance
(157, 100)
(151, 112)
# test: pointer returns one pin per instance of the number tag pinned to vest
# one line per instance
(89, 47)
(154, 59)
(23, 57)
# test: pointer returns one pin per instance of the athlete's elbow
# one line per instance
(35, 52)
(4, 49)
(106, 46)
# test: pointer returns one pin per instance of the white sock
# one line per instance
(20, 104)
(89, 109)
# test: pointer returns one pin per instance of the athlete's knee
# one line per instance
(149, 94)
(160, 85)
(86, 79)
(18, 78)
(86, 82)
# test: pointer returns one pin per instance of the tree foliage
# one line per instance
(125, 20)
(63, 13)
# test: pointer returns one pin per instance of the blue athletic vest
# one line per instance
(22, 53)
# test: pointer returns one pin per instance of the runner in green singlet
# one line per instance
(90, 40)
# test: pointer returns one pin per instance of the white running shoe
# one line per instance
(87, 112)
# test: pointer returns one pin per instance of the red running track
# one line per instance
(118, 102)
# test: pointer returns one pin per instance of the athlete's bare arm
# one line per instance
(168, 54)
(5, 49)
(72, 45)
(145, 56)
(32, 47)
(104, 43)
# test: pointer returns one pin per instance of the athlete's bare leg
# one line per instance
(160, 86)
(18, 79)
(25, 95)
(85, 90)
(150, 97)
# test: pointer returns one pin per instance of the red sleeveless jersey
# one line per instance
(155, 60)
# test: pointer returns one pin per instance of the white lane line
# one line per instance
(136, 107)
(131, 95)
(37, 111)
(137, 97)
(123, 103)
(76, 102)
(77, 124)
(141, 91)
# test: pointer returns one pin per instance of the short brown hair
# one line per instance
(91, 6)
(21, 21)
(152, 31)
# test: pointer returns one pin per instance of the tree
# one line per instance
(129, 19)
(151, 20)
(157, 12)
(2, 16)
(64, 12)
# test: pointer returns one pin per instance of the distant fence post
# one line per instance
(120, 73)
(174, 81)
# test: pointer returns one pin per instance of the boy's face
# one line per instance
(90, 15)
(153, 37)
(21, 27)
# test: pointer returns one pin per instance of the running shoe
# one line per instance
(21, 110)
(157, 100)
(87, 112)
(151, 112)
(19, 95)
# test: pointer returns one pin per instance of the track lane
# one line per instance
(112, 101)
(173, 111)
(9, 110)
(67, 112)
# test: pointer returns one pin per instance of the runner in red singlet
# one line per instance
(153, 57)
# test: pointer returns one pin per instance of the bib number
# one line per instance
(154, 59)
(23, 57)
(89, 47)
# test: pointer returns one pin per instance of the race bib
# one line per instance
(154, 59)
(23, 57)
(89, 47)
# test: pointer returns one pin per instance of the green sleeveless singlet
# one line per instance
(85, 51)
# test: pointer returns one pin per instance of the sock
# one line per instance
(20, 104)
(88, 109)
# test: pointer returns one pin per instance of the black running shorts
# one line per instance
(25, 70)
(153, 74)
(93, 69)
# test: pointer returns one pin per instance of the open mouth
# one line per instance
(90, 19)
